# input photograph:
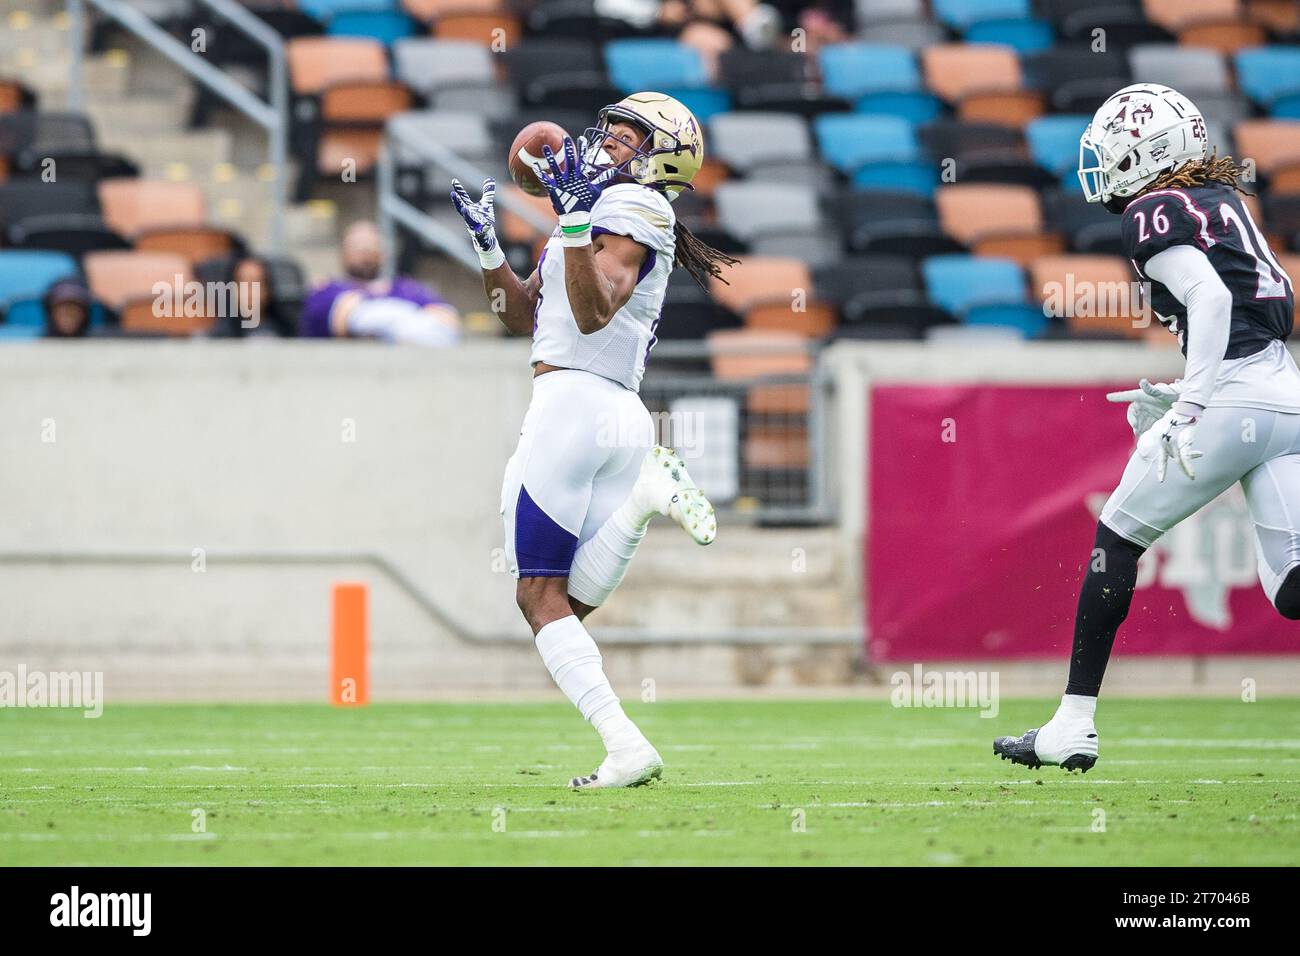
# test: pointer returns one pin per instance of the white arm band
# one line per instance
(1188, 274)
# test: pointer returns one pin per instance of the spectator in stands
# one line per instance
(711, 26)
(270, 313)
(362, 305)
(67, 310)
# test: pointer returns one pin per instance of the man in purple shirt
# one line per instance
(362, 305)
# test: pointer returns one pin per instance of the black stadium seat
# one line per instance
(73, 233)
(840, 283)
(25, 198)
(27, 136)
(1075, 78)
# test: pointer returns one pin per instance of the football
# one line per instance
(526, 153)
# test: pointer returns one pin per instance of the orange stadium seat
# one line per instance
(11, 96)
(124, 281)
(1274, 145)
(428, 11)
(1225, 36)
(1290, 263)
(814, 320)
(134, 206)
(1174, 15)
(500, 31)
(1280, 16)
(1104, 288)
(194, 243)
(761, 279)
(996, 219)
(956, 70)
(316, 63)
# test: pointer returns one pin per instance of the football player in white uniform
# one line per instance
(586, 477)
(1233, 417)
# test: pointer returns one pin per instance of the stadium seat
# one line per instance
(1054, 141)
(1101, 286)
(996, 219)
(960, 15)
(853, 69)
(324, 9)
(838, 283)
(1281, 221)
(575, 18)
(654, 64)
(849, 141)
(124, 282)
(1122, 27)
(428, 11)
(1268, 74)
(1227, 36)
(317, 63)
(954, 71)
(759, 279)
(1076, 79)
(704, 103)
(867, 12)
(194, 243)
(1174, 15)
(73, 233)
(915, 34)
(22, 199)
(1187, 69)
(1274, 145)
(497, 31)
(749, 210)
(1088, 226)
(15, 96)
(428, 65)
(747, 140)
(134, 206)
(1024, 35)
(387, 26)
(981, 290)
(45, 133)
(1281, 17)
(26, 275)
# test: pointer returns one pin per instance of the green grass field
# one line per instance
(1180, 782)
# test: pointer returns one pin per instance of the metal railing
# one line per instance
(768, 463)
(273, 116)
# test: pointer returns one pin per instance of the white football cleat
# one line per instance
(629, 767)
(665, 487)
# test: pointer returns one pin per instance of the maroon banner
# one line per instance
(981, 512)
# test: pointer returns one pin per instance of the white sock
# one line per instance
(573, 659)
(601, 561)
(1077, 705)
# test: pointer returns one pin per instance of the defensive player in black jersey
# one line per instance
(1234, 416)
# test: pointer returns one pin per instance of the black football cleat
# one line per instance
(1021, 750)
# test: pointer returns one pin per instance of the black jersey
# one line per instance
(1213, 218)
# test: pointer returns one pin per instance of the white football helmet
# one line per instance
(1140, 132)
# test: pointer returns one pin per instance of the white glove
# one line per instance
(1147, 403)
(1171, 437)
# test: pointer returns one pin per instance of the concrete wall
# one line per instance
(262, 448)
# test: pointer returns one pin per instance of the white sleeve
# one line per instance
(1188, 274)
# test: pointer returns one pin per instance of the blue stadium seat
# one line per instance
(654, 64)
(1028, 320)
(385, 26)
(704, 103)
(1266, 73)
(19, 333)
(957, 283)
(29, 314)
(962, 14)
(915, 106)
(322, 10)
(850, 140)
(911, 177)
(26, 275)
(851, 69)
(1054, 141)
(1025, 36)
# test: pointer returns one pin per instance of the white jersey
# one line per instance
(618, 351)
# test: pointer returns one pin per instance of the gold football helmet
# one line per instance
(673, 149)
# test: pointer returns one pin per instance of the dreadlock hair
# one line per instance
(1200, 172)
(698, 258)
